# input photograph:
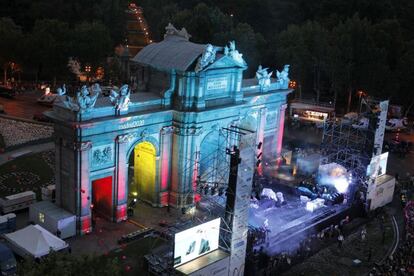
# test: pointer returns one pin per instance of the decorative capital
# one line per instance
(235, 122)
(188, 131)
(82, 146)
(215, 127)
(144, 133)
(167, 130)
(125, 138)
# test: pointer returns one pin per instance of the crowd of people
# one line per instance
(401, 263)
(259, 260)
(16, 132)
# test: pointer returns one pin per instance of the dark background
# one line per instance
(335, 47)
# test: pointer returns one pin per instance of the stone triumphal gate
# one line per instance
(152, 144)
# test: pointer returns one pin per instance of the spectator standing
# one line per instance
(369, 254)
(363, 234)
(340, 240)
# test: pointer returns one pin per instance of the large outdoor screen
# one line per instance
(378, 165)
(196, 241)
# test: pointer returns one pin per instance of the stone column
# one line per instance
(183, 159)
(280, 130)
(83, 189)
(164, 165)
(121, 176)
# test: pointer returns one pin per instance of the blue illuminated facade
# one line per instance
(187, 93)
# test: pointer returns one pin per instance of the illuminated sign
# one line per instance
(315, 114)
(196, 241)
(378, 165)
(217, 83)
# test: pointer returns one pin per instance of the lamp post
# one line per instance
(87, 70)
(360, 95)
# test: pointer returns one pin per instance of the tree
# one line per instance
(249, 43)
(405, 73)
(90, 43)
(11, 38)
(358, 60)
(305, 47)
(203, 22)
(49, 45)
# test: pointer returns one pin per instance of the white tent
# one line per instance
(34, 241)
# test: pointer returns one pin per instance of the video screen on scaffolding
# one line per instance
(378, 165)
(196, 241)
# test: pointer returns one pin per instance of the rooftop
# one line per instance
(174, 52)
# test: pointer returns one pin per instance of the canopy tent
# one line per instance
(34, 241)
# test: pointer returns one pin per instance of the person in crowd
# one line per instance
(340, 240)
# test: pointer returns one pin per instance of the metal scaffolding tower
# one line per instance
(347, 146)
(353, 145)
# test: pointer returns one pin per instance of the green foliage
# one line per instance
(91, 42)
(49, 46)
(11, 37)
(248, 42)
(57, 264)
(53, 30)
(202, 22)
(333, 46)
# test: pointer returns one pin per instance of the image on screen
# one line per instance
(194, 242)
(378, 165)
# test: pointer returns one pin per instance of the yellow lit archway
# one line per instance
(144, 170)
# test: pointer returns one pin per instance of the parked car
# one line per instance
(306, 192)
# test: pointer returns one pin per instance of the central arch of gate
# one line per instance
(154, 144)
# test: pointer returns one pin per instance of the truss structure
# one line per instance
(352, 146)
(212, 184)
(347, 146)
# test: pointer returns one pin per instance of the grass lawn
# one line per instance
(29, 172)
(131, 256)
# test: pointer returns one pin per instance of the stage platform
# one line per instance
(291, 223)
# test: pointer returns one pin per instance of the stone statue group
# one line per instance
(263, 77)
(210, 51)
(85, 99)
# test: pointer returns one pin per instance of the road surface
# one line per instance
(23, 105)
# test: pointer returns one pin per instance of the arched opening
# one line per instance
(213, 164)
(142, 172)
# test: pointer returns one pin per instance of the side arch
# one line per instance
(148, 138)
(143, 169)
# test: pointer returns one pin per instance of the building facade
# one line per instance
(157, 143)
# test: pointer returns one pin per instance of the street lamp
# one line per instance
(360, 95)
(88, 70)
(292, 84)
